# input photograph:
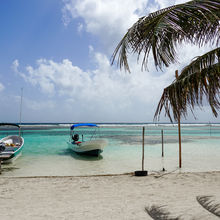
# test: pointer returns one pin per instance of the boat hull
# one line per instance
(92, 148)
(94, 153)
(12, 157)
(12, 151)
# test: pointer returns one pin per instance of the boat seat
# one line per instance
(16, 140)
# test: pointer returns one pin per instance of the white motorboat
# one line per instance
(86, 141)
(11, 146)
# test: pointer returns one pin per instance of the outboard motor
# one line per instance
(75, 137)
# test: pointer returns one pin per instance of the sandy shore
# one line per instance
(108, 197)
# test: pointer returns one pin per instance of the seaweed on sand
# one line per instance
(159, 213)
(209, 203)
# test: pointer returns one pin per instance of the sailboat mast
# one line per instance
(20, 111)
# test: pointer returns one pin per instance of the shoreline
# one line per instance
(155, 174)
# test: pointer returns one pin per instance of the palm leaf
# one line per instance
(198, 79)
(201, 62)
(209, 204)
(196, 22)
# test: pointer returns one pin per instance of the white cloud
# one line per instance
(36, 105)
(110, 19)
(107, 19)
(80, 27)
(104, 93)
(15, 65)
(167, 3)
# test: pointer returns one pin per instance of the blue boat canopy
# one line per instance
(83, 124)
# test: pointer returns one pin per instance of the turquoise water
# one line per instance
(45, 152)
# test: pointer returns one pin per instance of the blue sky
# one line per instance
(59, 53)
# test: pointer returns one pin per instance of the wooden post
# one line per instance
(143, 149)
(179, 132)
(142, 172)
(162, 142)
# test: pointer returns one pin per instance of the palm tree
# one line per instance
(196, 22)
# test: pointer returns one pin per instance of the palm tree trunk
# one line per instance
(179, 132)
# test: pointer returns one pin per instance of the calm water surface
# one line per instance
(46, 153)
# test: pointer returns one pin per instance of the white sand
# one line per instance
(106, 197)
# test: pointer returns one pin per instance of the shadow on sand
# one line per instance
(210, 204)
(7, 168)
(160, 213)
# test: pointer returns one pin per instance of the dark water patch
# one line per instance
(149, 140)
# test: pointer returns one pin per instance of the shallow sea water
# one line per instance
(45, 152)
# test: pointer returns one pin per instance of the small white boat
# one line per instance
(85, 141)
(11, 146)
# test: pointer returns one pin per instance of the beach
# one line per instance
(95, 93)
(108, 196)
(48, 181)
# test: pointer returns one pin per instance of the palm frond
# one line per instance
(200, 78)
(209, 203)
(201, 62)
(159, 213)
(196, 22)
